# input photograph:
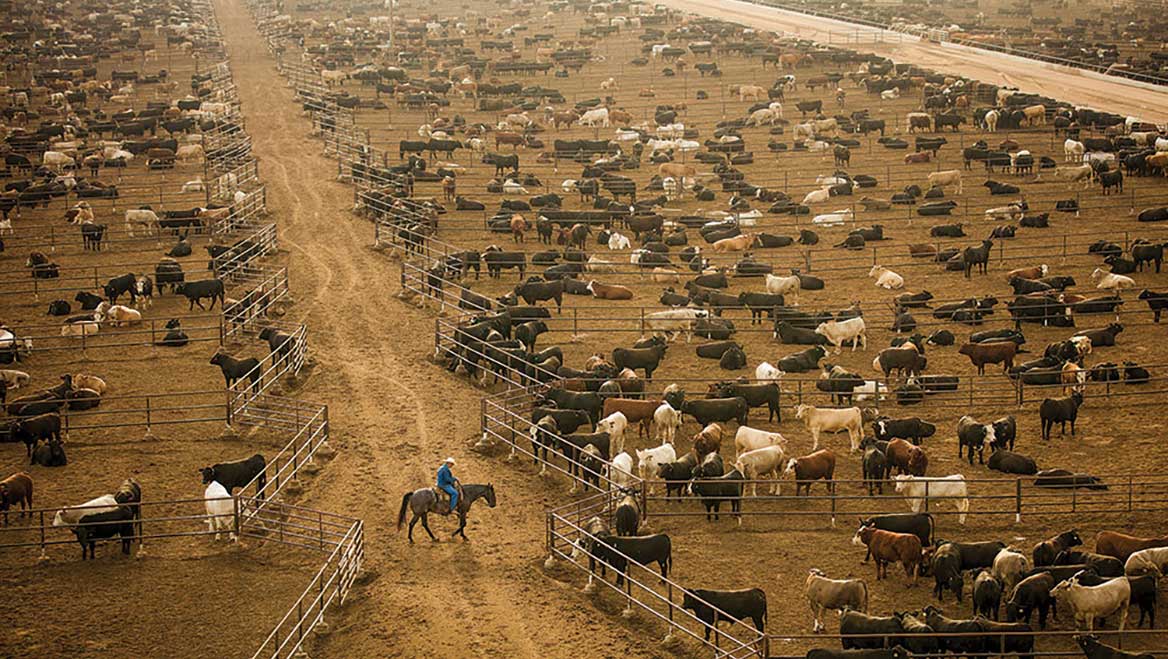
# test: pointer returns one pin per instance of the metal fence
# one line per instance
(644, 590)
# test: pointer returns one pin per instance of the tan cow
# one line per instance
(735, 244)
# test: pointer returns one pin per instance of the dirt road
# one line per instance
(396, 417)
(1060, 82)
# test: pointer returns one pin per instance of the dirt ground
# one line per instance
(500, 575)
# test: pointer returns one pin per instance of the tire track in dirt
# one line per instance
(394, 416)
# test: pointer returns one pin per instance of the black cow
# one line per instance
(913, 428)
(1009, 462)
(717, 409)
(196, 291)
(861, 631)
(646, 549)
(1059, 410)
(801, 362)
(946, 566)
(104, 525)
(88, 301)
(280, 344)
(987, 595)
(126, 283)
(237, 369)
(714, 606)
(644, 358)
(35, 428)
(238, 474)
(51, 454)
(756, 395)
(1032, 593)
(1093, 649)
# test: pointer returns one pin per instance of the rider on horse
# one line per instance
(448, 483)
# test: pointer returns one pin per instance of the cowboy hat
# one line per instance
(449, 461)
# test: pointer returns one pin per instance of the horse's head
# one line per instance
(489, 495)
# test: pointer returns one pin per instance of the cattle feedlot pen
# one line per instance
(506, 416)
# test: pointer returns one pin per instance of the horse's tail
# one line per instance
(401, 514)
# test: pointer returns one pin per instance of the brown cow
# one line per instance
(906, 457)
(636, 411)
(609, 292)
(514, 139)
(16, 488)
(518, 226)
(809, 468)
(677, 171)
(620, 117)
(566, 118)
(889, 547)
(1122, 546)
(905, 360)
(708, 441)
(1000, 352)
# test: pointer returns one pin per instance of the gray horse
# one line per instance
(424, 501)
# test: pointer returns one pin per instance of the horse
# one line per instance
(424, 501)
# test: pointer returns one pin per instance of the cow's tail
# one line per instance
(932, 527)
(864, 585)
(401, 514)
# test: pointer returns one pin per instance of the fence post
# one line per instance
(235, 514)
(1017, 500)
(926, 496)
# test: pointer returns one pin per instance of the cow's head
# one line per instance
(208, 474)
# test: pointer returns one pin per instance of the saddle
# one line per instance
(443, 499)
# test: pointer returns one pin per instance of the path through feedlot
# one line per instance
(1060, 82)
(394, 418)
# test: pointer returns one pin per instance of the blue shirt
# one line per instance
(445, 478)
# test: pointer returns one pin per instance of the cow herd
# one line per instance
(116, 162)
(657, 222)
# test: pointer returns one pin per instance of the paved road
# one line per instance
(1065, 83)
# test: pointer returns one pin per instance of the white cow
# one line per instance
(621, 470)
(79, 329)
(597, 264)
(886, 278)
(820, 420)
(1151, 561)
(890, 94)
(816, 197)
(750, 439)
(1091, 602)
(947, 177)
(57, 161)
(668, 422)
(614, 424)
(1073, 151)
(617, 241)
(789, 285)
(766, 461)
(140, 217)
(595, 116)
(991, 120)
(917, 488)
(675, 321)
(766, 372)
(220, 511)
(195, 185)
(1008, 568)
(70, 516)
(840, 331)
(833, 219)
(649, 460)
(14, 379)
(1111, 281)
(189, 152)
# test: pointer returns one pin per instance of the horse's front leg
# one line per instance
(426, 525)
(461, 527)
